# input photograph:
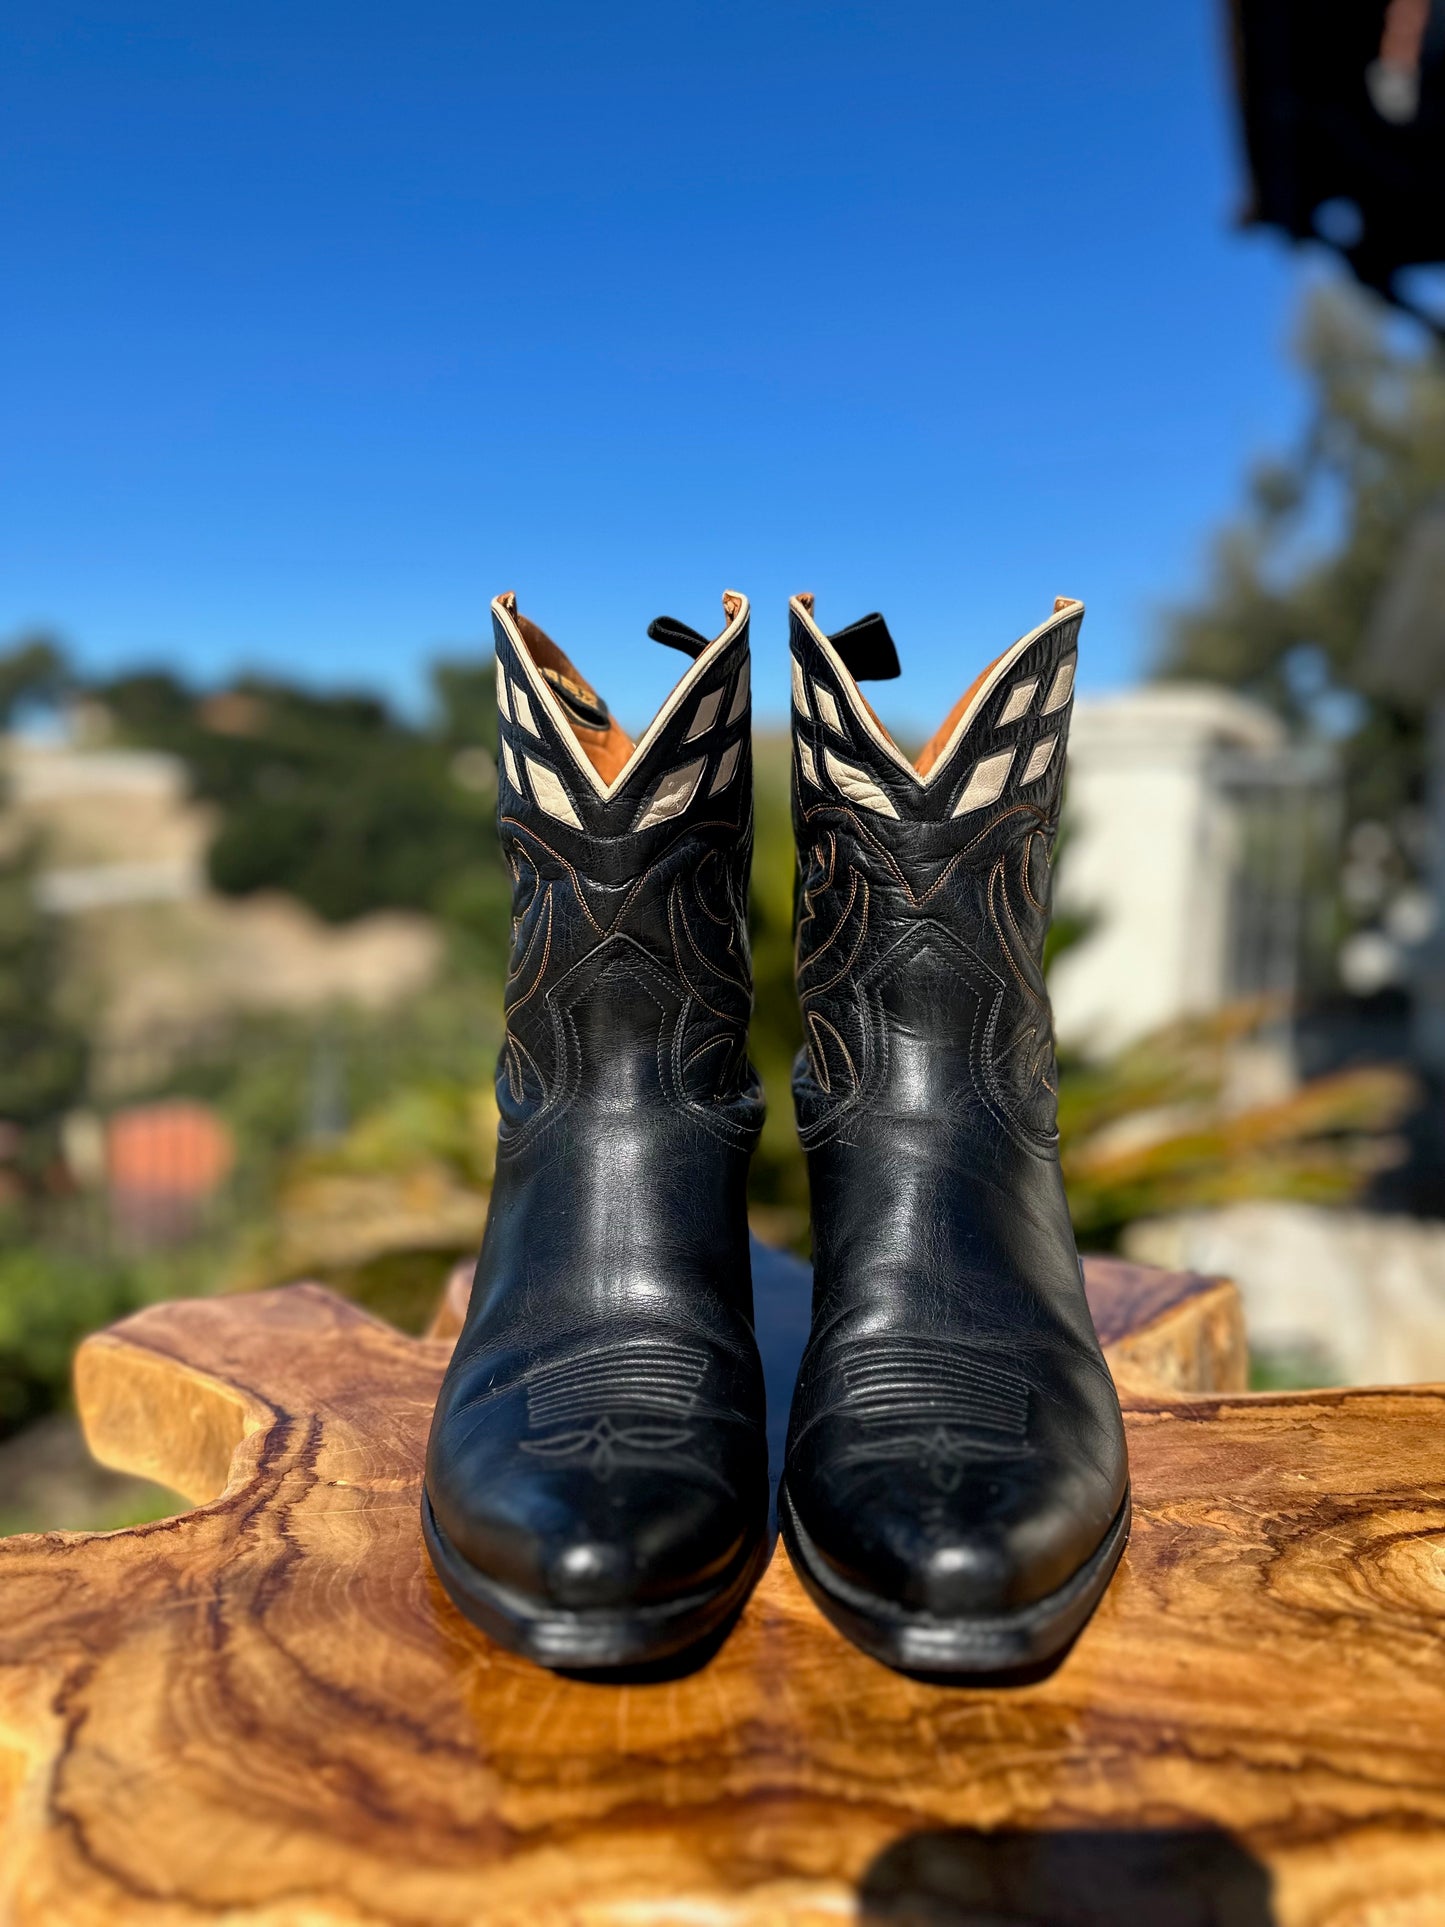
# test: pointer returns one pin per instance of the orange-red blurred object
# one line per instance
(176, 1149)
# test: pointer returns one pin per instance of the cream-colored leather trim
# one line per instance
(1043, 755)
(858, 786)
(985, 784)
(828, 709)
(999, 673)
(509, 763)
(735, 607)
(725, 768)
(522, 709)
(800, 693)
(810, 768)
(1060, 689)
(673, 794)
(549, 795)
(503, 703)
(1019, 699)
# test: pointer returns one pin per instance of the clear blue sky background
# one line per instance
(324, 322)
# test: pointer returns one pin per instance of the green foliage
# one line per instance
(465, 688)
(1160, 1128)
(42, 1056)
(53, 1293)
(334, 798)
(49, 1300)
(437, 1123)
(32, 670)
(1296, 578)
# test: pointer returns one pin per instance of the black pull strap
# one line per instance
(867, 649)
(677, 635)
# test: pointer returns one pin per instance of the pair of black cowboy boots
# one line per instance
(955, 1491)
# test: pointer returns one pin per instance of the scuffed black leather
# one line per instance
(599, 1439)
(955, 1445)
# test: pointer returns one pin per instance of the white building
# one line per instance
(1188, 819)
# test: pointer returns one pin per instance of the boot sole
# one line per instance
(970, 1648)
(593, 1641)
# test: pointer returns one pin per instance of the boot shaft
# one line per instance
(629, 978)
(924, 888)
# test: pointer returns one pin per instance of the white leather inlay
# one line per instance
(810, 768)
(549, 794)
(1019, 699)
(1043, 755)
(800, 693)
(673, 794)
(509, 763)
(522, 709)
(858, 786)
(725, 769)
(1061, 688)
(828, 709)
(985, 784)
(724, 649)
(705, 715)
(740, 694)
(502, 703)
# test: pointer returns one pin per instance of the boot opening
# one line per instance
(940, 739)
(944, 735)
(938, 742)
(605, 743)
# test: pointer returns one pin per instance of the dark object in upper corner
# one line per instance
(1344, 126)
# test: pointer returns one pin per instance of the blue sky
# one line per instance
(326, 322)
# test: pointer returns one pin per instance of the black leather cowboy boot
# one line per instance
(596, 1486)
(956, 1488)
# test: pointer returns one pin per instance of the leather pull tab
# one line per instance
(677, 635)
(867, 649)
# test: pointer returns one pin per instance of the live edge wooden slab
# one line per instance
(265, 1712)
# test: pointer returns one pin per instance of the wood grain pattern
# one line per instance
(264, 1712)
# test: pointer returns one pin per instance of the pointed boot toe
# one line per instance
(609, 1519)
(956, 1482)
(596, 1490)
(981, 1548)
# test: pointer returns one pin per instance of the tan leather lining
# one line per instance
(607, 750)
(938, 741)
(928, 757)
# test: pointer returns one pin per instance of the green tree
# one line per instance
(1296, 580)
(42, 1056)
(32, 670)
(335, 798)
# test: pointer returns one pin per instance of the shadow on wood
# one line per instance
(265, 1712)
(1164, 1877)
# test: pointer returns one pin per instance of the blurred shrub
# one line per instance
(43, 1054)
(1160, 1128)
(1286, 614)
(382, 1212)
(49, 1300)
(335, 798)
(52, 1295)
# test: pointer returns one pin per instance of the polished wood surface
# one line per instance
(264, 1713)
